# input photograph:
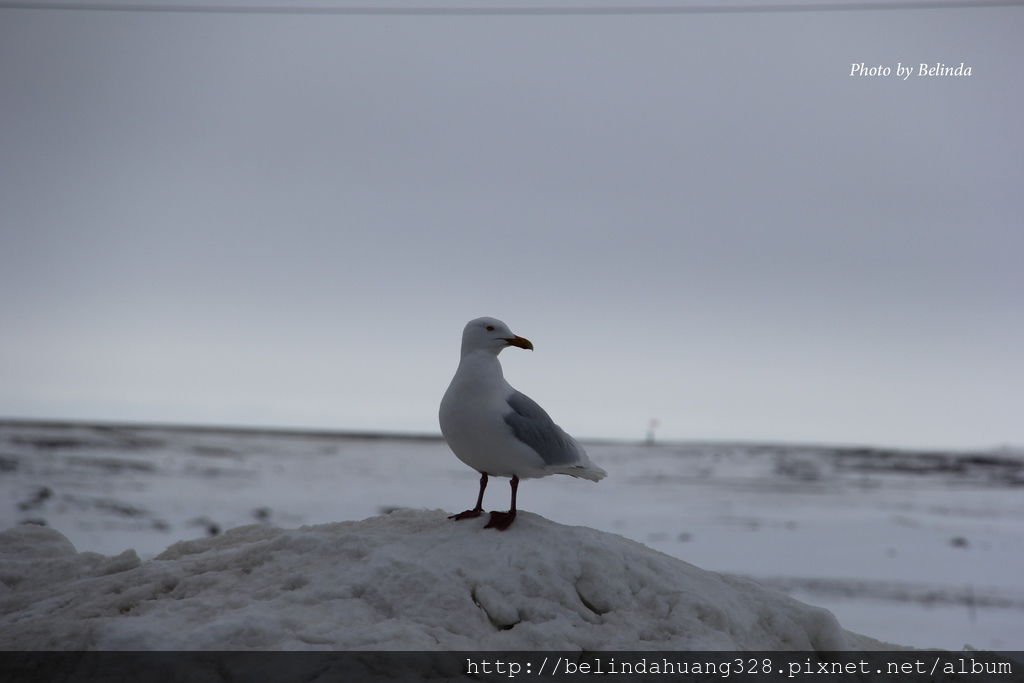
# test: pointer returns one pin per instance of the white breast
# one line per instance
(472, 418)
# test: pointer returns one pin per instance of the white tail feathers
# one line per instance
(590, 471)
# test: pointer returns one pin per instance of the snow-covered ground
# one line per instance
(408, 580)
(922, 549)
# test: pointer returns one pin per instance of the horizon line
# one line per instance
(369, 434)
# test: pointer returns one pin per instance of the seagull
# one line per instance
(499, 431)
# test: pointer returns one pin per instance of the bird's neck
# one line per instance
(482, 364)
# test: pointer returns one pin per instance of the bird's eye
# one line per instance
(490, 328)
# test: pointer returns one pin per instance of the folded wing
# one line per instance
(535, 428)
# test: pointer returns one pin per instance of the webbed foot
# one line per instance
(467, 514)
(501, 520)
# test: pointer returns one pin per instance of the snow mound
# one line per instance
(409, 580)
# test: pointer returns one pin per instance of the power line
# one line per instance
(759, 8)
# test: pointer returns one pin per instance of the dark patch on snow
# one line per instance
(113, 465)
(215, 451)
(212, 528)
(49, 443)
(38, 499)
(973, 466)
(108, 505)
(798, 468)
(101, 439)
(896, 591)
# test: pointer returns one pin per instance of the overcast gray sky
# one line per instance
(286, 220)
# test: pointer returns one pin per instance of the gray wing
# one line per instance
(536, 429)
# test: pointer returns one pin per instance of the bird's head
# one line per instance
(490, 334)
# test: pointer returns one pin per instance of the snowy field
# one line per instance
(922, 549)
(406, 580)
